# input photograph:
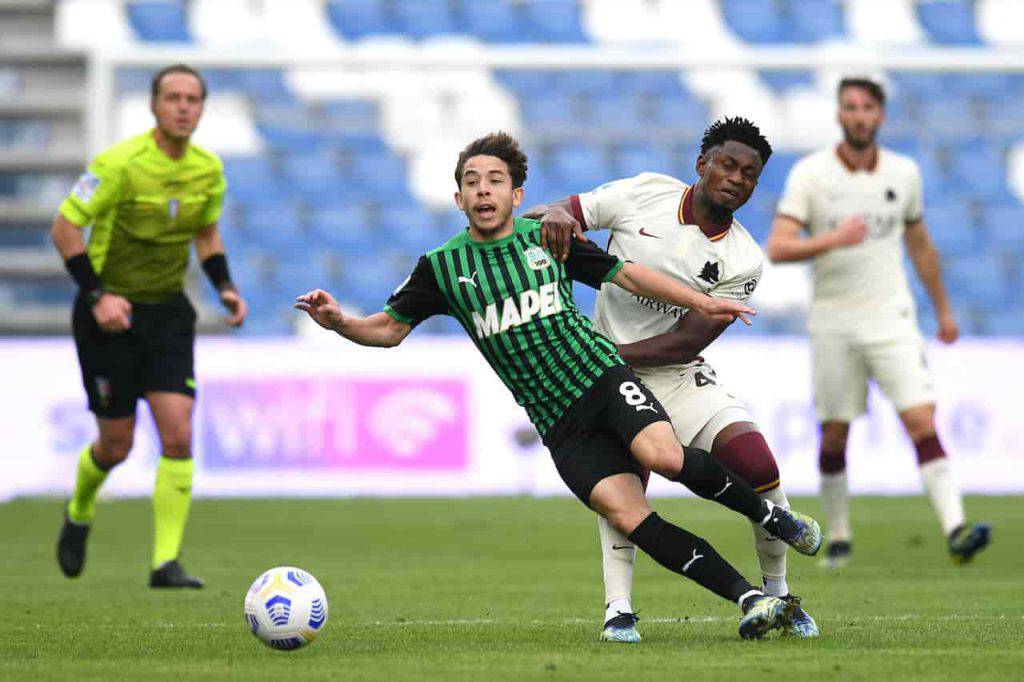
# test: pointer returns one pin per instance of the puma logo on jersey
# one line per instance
(652, 408)
(728, 483)
(709, 273)
(468, 280)
(518, 310)
(689, 563)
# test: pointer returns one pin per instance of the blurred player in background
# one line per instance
(602, 426)
(147, 199)
(859, 205)
(690, 234)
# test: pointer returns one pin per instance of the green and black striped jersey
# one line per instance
(515, 301)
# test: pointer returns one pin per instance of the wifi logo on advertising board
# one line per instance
(340, 423)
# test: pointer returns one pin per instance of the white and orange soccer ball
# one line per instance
(286, 608)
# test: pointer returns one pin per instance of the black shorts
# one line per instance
(156, 354)
(591, 441)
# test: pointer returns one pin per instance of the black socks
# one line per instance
(705, 475)
(683, 552)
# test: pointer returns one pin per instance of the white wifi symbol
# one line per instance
(407, 419)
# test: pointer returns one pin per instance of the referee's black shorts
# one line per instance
(155, 354)
(591, 441)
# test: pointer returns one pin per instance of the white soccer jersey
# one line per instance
(859, 289)
(652, 224)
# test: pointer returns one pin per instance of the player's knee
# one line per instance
(666, 458)
(919, 424)
(749, 457)
(112, 449)
(626, 518)
(177, 442)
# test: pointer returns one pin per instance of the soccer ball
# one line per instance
(286, 608)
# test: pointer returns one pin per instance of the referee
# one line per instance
(147, 199)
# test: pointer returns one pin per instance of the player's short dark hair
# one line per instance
(501, 145)
(871, 87)
(739, 130)
(154, 86)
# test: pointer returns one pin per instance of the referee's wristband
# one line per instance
(216, 269)
(82, 272)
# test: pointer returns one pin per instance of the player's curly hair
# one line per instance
(739, 130)
(871, 87)
(501, 145)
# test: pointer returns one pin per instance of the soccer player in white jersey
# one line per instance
(689, 233)
(852, 209)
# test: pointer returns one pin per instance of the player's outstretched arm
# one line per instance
(786, 243)
(558, 226)
(684, 342)
(644, 281)
(379, 329)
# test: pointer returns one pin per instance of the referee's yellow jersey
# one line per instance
(145, 208)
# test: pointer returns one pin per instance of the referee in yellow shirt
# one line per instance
(147, 199)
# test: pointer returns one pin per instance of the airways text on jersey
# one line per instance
(518, 310)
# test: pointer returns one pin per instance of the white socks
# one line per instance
(771, 552)
(834, 496)
(618, 568)
(944, 493)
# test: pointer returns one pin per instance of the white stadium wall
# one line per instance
(317, 417)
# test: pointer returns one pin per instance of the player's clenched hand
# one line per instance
(852, 230)
(557, 231)
(322, 307)
(723, 309)
(236, 306)
(949, 332)
(113, 313)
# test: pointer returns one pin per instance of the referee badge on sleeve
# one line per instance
(86, 186)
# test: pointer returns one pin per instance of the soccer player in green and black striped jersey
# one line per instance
(602, 426)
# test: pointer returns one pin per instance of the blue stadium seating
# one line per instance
(555, 21)
(159, 21)
(754, 21)
(358, 18)
(424, 18)
(496, 22)
(812, 21)
(329, 184)
(949, 22)
(784, 80)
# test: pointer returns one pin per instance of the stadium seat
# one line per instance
(949, 22)
(355, 19)
(582, 167)
(634, 159)
(1004, 227)
(264, 85)
(555, 21)
(159, 21)
(812, 21)
(754, 21)
(349, 115)
(784, 80)
(497, 21)
(424, 18)
(347, 230)
(526, 83)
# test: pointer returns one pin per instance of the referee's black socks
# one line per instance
(705, 475)
(683, 552)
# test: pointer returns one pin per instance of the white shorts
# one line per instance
(843, 364)
(693, 398)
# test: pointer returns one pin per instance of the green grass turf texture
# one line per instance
(497, 589)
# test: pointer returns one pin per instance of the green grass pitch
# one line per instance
(497, 589)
